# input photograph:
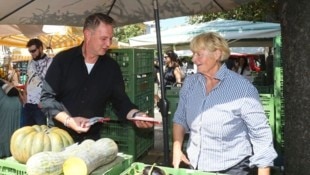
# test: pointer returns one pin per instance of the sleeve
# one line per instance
(180, 113)
(50, 106)
(259, 130)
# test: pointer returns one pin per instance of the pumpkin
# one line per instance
(76, 159)
(30, 140)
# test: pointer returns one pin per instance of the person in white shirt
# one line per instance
(36, 71)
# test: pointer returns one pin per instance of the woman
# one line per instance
(10, 111)
(229, 131)
(243, 68)
(14, 76)
(173, 73)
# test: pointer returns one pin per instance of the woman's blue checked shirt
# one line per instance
(226, 125)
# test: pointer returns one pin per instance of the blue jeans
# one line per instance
(32, 115)
(241, 168)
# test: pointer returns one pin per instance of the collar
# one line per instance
(221, 73)
(41, 58)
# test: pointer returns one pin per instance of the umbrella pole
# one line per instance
(163, 105)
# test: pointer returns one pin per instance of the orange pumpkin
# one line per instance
(30, 140)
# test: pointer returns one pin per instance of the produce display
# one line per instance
(138, 168)
(77, 159)
(153, 170)
(30, 140)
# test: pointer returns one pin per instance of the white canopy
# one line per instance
(229, 29)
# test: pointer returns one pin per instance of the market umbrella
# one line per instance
(73, 13)
(230, 29)
(56, 37)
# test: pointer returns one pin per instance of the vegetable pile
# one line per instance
(77, 159)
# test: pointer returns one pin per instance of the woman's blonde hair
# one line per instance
(210, 41)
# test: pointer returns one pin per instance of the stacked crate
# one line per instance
(137, 70)
(278, 95)
(172, 96)
(269, 107)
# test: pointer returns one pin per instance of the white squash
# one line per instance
(85, 161)
(51, 163)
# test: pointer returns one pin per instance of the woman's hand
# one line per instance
(178, 157)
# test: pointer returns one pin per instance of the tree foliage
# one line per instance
(259, 10)
(125, 32)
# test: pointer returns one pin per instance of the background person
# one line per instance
(10, 110)
(83, 79)
(36, 71)
(229, 131)
(14, 75)
(173, 74)
(156, 82)
(243, 68)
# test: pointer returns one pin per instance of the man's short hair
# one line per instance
(35, 41)
(94, 20)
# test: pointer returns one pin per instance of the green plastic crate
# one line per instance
(269, 107)
(9, 166)
(138, 84)
(130, 139)
(120, 164)
(134, 61)
(278, 61)
(137, 168)
(144, 101)
(173, 92)
(264, 89)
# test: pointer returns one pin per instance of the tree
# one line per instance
(259, 10)
(128, 31)
(295, 29)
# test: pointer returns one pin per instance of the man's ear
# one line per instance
(87, 33)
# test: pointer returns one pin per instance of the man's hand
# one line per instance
(143, 124)
(78, 124)
(140, 123)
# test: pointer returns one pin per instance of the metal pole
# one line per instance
(163, 105)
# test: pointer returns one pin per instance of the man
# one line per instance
(36, 71)
(82, 80)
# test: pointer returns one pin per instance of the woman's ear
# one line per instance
(217, 55)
